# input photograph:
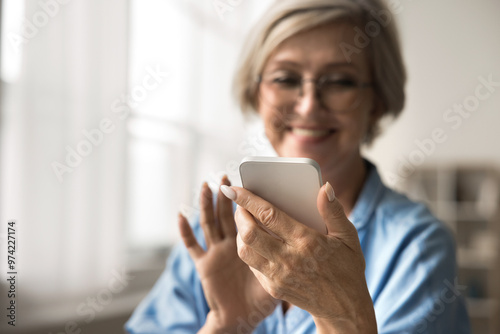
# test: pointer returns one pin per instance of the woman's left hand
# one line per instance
(320, 273)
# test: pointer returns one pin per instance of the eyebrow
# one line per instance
(327, 66)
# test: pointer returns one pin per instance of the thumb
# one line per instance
(332, 212)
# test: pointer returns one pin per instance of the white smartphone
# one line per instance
(290, 184)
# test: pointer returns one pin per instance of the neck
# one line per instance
(347, 180)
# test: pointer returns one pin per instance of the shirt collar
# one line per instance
(368, 198)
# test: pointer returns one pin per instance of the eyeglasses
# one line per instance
(336, 92)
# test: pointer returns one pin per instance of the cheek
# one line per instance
(274, 123)
(275, 132)
(356, 126)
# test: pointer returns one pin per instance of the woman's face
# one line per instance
(307, 128)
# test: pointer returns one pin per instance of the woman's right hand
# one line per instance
(236, 299)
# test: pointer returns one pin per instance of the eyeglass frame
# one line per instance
(317, 88)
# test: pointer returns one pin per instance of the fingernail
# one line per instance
(205, 193)
(180, 218)
(228, 192)
(329, 192)
(225, 180)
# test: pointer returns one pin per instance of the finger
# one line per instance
(270, 216)
(254, 236)
(250, 256)
(192, 245)
(269, 285)
(207, 219)
(225, 212)
(264, 282)
(333, 213)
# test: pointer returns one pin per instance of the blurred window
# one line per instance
(186, 128)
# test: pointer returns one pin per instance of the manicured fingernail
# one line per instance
(228, 192)
(329, 192)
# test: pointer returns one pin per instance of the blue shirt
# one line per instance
(410, 272)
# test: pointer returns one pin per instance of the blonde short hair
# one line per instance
(286, 18)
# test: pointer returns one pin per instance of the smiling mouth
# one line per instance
(311, 133)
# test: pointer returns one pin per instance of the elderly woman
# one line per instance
(321, 74)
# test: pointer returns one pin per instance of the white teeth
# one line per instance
(310, 132)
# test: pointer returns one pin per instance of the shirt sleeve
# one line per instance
(176, 304)
(421, 294)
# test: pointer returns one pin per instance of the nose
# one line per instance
(308, 101)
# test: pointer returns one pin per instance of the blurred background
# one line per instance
(114, 112)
